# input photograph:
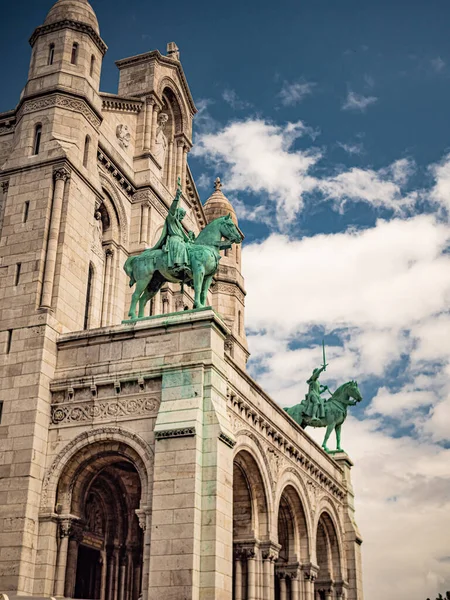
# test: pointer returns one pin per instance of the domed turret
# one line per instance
(218, 204)
(73, 10)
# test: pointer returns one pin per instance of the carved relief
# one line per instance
(76, 412)
(61, 101)
(123, 135)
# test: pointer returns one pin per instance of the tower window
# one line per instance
(26, 210)
(74, 57)
(87, 311)
(87, 143)
(9, 341)
(91, 71)
(37, 139)
(239, 323)
(1, 411)
(51, 54)
(17, 276)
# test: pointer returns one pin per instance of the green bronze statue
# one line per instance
(315, 411)
(180, 257)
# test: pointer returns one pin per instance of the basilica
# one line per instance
(138, 459)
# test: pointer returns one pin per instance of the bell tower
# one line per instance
(228, 291)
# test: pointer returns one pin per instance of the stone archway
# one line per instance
(98, 496)
(328, 554)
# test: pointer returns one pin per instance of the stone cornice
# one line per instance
(62, 99)
(156, 54)
(69, 24)
(114, 171)
(7, 122)
(121, 104)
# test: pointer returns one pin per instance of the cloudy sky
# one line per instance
(328, 123)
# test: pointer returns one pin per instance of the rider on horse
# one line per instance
(313, 400)
(174, 240)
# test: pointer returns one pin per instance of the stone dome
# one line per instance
(74, 10)
(218, 205)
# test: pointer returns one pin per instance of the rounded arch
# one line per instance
(168, 89)
(290, 490)
(329, 546)
(251, 508)
(102, 441)
(114, 203)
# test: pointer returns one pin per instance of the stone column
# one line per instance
(145, 222)
(180, 155)
(61, 176)
(61, 561)
(72, 559)
(5, 188)
(122, 576)
(110, 555)
(268, 576)
(144, 516)
(154, 125)
(149, 105)
(109, 262)
(310, 572)
(184, 169)
(251, 575)
(104, 575)
(238, 575)
(169, 175)
(116, 574)
(295, 587)
(283, 590)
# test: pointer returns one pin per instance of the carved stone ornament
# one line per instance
(123, 135)
(61, 173)
(78, 412)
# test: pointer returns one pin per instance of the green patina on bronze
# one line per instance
(180, 257)
(316, 411)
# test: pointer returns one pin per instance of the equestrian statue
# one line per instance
(316, 411)
(180, 257)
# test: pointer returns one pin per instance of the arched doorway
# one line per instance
(293, 542)
(328, 559)
(102, 542)
(250, 527)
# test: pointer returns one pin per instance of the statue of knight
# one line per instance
(314, 403)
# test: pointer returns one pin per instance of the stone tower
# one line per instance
(228, 291)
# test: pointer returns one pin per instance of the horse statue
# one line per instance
(333, 414)
(151, 269)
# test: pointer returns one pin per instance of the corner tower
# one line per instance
(228, 289)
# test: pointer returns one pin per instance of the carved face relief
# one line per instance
(123, 135)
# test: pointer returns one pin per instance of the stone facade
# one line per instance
(138, 459)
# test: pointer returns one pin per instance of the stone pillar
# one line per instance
(180, 155)
(329, 593)
(61, 561)
(251, 575)
(149, 105)
(110, 555)
(184, 169)
(282, 580)
(145, 522)
(104, 575)
(145, 222)
(61, 176)
(310, 572)
(169, 175)
(352, 537)
(72, 559)
(107, 286)
(238, 575)
(5, 188)
(154, 125)
(123, 576)
(116, 574)
(295, 587)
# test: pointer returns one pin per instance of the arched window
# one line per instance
(87, 143)
(91, 71)
(74, 57)
(37, 138)
(51, 54)
(87, 310)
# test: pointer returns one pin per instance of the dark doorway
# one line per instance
(89, 571)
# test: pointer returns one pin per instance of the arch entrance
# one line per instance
(328, 584)
(105, 542)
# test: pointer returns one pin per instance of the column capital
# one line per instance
(310, 571)
(61, 173)
(67, 524)
(5, 186)
(270, 550)
(109, 252)
(142, 514)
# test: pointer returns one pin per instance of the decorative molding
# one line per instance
(231, 289)
(117, 103)
(69, 24)
(7, 127)
(115, 173)
(61, 101)
(61, 173)
(5, 186)
(227, 440)
(175, 433)
(112, 408)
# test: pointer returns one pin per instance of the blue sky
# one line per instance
(328, 124)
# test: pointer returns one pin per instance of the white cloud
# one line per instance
(440, 193)
(231, 98)
(259, 158)
(293, 93)
(437, 64)
(399, 404)
(356, 148)
(358, 102)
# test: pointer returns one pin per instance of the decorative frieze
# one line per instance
(110, 103)
(69, 24)
(113, 408)
(115, 173)
(227, 440)
(175, 433)
(61, 101)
